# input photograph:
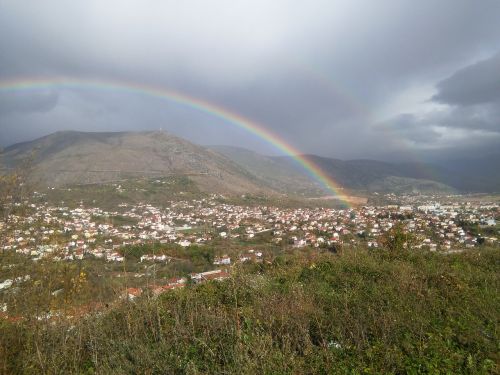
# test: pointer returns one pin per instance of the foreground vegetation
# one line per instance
(354, 312)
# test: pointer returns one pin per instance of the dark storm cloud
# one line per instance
(478, 83)
(315, 73)
(477, 118)
(469, 114)
(430, 137)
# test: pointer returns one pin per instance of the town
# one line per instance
(91, 231)
(237, 234)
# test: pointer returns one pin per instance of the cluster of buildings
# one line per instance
(71, 234)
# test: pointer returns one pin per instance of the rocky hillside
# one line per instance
(69, 157)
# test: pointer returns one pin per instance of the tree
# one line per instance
(15, 190)
(397, 239)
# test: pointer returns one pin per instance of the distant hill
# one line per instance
(276, 173)
(284, 174)
(475, 174)
(70, 157)
(378, 176)
(464, 175)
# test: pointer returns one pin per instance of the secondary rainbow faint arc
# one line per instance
(189, 101)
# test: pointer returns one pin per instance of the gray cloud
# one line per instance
(26, 102)
(478, 83)
(430, 138)
(314, 72)
(420, 131)
(467, 120)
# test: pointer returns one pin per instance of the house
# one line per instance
(300, 243)
(251, 257)
(115, 257)
(491, 222)
(132, 293)
(155, 258)
(209, 275)
(174, 283)
(224, 260)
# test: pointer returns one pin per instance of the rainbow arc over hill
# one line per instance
(198, 104)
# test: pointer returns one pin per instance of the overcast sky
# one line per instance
(386, 79)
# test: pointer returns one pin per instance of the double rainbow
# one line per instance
(189, 101)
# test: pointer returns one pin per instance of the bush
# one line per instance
(357, 312)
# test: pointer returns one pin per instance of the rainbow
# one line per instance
(189, 101)
(327, 80)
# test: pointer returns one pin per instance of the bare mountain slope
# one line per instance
(274, 172)
(68, 157)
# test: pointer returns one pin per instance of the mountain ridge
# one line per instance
(468, 176)
(73, 157)
(356, 175)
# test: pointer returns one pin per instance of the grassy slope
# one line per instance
(358, 312)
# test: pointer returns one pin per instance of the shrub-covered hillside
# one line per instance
(305, 313)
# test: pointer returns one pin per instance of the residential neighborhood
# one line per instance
(226, 236)
(68, 234)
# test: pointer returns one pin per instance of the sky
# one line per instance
(387, 79)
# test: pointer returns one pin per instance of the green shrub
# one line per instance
(353, 313)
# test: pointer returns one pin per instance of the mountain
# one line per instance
(276, 173)
(283, 173)
(71, 157)
(379, 176)
(475, 174)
